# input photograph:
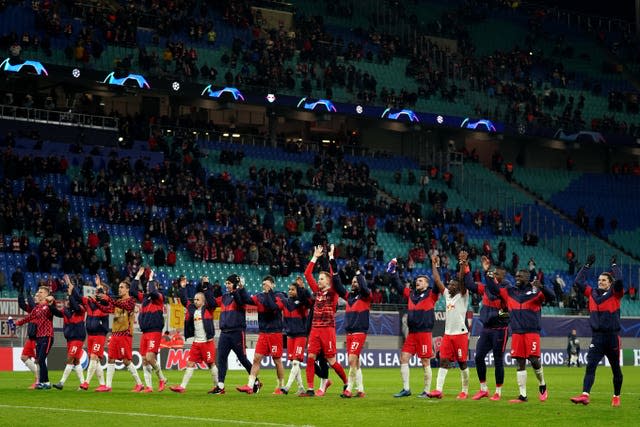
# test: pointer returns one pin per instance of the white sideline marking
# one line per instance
(139, 414)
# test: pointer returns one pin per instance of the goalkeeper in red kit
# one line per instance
(323, 327)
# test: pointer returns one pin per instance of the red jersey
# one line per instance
(42, 317)
(324, 308)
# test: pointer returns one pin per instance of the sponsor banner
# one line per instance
(387, 358)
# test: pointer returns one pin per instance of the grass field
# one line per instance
(19, 406)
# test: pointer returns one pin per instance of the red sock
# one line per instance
(311, 371)
(340, 371)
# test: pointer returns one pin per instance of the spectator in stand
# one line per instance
(571, 260)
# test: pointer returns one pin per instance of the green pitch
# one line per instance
(19, 406)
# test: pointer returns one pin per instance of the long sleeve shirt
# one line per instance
(525, 306)
(73, 317)
(295, 311)
(42, 317)
(269, 312)
(324, 309)
(97, 320)
(420, 310)
(123, 314)
(232, 306)
(604, 305)
(151, 316)
(358, 304)
(493, 313)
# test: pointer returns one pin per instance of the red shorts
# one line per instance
(455, 348)
(74, 349)
(150, 343)
(95, 345)
(29, 349)
(120, 347)
(419, 343)
(269, 344)
(203, 352)
(322, 339)
(295, 348)
(525, 345)
(355, 343)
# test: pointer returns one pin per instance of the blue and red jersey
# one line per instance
(604, 306)
(232, 306)
(28, 305)
(97, 320)
(74, 327)
(207, 314)
(151, 315)
(524, 305)
(356, 316)
(494, 313)
(295, 312)
(269, 312)
(420, 310)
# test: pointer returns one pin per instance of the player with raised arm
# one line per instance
(97, 324)
(294, 313)
(28, 355)
(356, 325)
(198, 323)
(323, 327)
(75, 333)
(120, 345)
(455, 342)
(151, 321)
(495, 329)
(420, 320)
(233, 323)
(524, 302)
(42, 316)
(604, 319)
(269, 334)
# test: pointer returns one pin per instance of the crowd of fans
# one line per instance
(523, 79)
(179, 206)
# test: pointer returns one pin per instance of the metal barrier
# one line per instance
(60, 118)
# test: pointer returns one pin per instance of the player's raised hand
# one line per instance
(435, 261)
(331, 249)
(463, 257)
(318, 251)
(486, 263)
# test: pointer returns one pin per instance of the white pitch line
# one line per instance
(139, 414)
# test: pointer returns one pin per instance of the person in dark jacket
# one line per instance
(524, 302)
(295, 316)
(269, 305)
(604, 319)
(97, 324)
(494, 317)
(151, 321)
(198, 323)
(356, 324)
(233, 324)
(420, 320)
(75, 333)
